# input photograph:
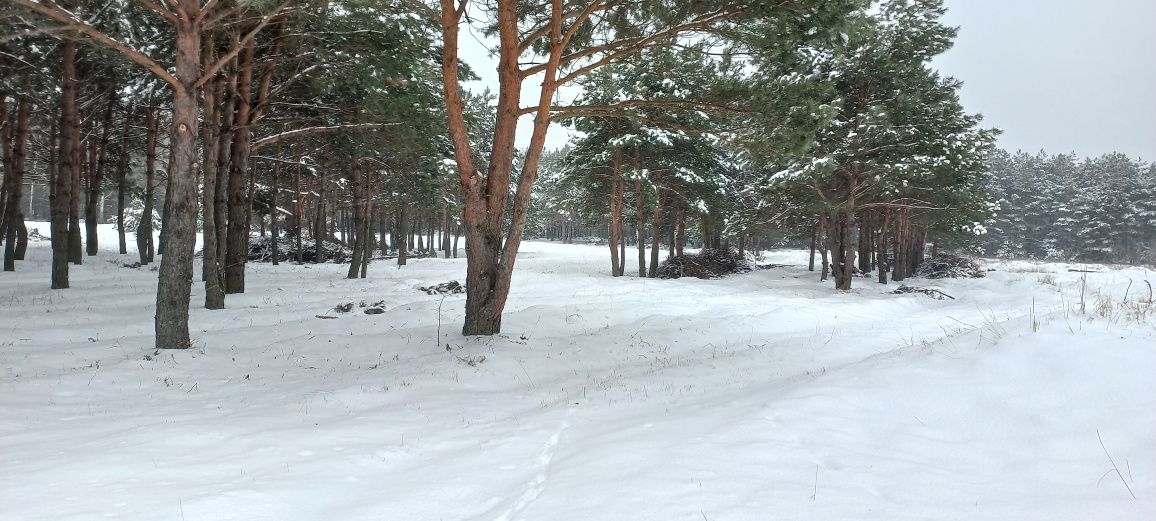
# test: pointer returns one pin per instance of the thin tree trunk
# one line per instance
(825, 244)
(144, 228)
(75, 240)
(122, 182)
(640, 228)
(814, 246)
(298, 209)
(655, 231)
(616, 204)
(96, 179)
(358, 189)
(402, 233)
(273, 235)
(319, 219)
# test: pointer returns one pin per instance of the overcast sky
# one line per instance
(1057, 75)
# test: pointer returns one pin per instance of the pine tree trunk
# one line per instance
(402, 233)
(62, 182)
(16, 153)
(655, 231)
(357, 188)
(273, 235)
(75, 239)
(122, 182)
(237, 231)
(319, 219)
(640, 228)
(174, 282)
(144, 228)
(298, 210)
(96, 179)
(210, 267)
(825, 244)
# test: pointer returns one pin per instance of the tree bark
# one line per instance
(356, 186)
(617, 202)
(60, 196)
(655, 230)
(13, 214)
(75, 240)
(144, 228)
(96, 179)
(122, 182)
(174, 282)
(273, 209)
(298, 210)
(237, 234)
(640, 227)
(402, 233)
(211, 151)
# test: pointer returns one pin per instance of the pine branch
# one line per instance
(70, 21)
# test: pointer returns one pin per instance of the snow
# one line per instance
(761, 396)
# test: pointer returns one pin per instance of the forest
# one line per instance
(176, 169)
(734, 126)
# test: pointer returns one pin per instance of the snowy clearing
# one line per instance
(761, 396)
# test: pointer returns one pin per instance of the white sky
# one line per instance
(1058, 75)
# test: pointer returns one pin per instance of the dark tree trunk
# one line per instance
(60, 196)
(13, 218)
(402, 233)
(319, 219)
(640, 228)
(866, 236)
(122, 182)
(617, 202)
(237, 234)
(96, 179)
(680, 233)
(75, 239)
(814, 246)
(298, 210)
(655, 232)
(144, 228)
(273, 209)
(357, 188)
(825, 244)
(211, 267)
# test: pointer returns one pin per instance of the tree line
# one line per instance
(1100, 209)
(346, 121)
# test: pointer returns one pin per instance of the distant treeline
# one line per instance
(1062, 207)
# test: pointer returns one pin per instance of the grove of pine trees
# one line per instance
(313, 124)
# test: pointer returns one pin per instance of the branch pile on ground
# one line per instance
(708, 263)
(445, 288)
(261, 250)
(946, 266)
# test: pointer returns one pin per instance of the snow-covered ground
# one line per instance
(761, 396)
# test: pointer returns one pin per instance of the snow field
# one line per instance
(761, 396)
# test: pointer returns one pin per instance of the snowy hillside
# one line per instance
(761, 396)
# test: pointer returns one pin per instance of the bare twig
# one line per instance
(1114, 467)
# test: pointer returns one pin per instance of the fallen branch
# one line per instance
(934, 293)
